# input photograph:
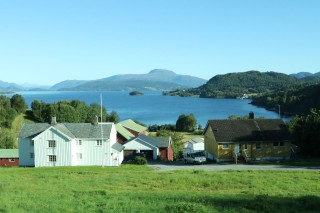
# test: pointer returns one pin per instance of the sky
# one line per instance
(45, 42)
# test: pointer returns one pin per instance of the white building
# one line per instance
(69, 144)
(195, 145)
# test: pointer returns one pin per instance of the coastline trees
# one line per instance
(186, 123)
(71, 111)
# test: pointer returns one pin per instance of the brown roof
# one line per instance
(252, 130)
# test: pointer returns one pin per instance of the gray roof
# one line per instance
(73, 130)
(163, 142)
(118, 147)
(252, 130)
(196, 140)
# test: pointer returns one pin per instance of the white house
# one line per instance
(195, 145)
(69, 144)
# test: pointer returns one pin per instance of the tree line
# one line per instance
(74, 111)
(10, 108)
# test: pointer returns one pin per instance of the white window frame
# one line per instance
(52, 143)
(79, 156)
(52, 158)
(12, 160)
(225, 144)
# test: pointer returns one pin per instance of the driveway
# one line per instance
(171, 166)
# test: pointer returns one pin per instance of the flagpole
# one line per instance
(101, 130)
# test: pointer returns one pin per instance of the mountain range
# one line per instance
(160, 79)
(157, 79)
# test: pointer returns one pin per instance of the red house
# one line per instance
(9, 157)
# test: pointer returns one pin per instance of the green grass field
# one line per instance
(131, 188)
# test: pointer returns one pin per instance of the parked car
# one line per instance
(195, 157)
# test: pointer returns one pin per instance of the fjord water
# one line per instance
(153, 108)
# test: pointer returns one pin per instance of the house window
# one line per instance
(258, 145)
(278, 144)
(79, 156)
(99, 142)
(31, 155)
(52, 143)
(52, 158)
(245, 146)
(79, 142)
(225, 146)
(31, 142)
(12, 160)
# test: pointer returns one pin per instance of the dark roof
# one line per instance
(150, 140)
(251, 130)
(73, 130)
(164, 141)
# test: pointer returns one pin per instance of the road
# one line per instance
(171, 166)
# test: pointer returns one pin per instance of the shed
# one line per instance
(9, 157)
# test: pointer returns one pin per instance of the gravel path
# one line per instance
(161, 167)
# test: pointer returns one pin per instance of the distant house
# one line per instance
(69, 144)
(134, 127)
(123, 134)
(195, 145)
(9, 157)
(253, 139)
(149, 147)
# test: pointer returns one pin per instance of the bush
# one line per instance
(140, 160)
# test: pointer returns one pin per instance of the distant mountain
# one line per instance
(161, 75)
(300, 75)
(67, 84)
(157, 79)
(125, 85)
(9, 87)
(234, 85)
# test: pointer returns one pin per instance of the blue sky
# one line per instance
(45, 42)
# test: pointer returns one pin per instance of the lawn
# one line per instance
(131, 188)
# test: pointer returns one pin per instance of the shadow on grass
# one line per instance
(260, 203)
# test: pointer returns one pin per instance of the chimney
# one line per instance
(53, 120)
(251, 115)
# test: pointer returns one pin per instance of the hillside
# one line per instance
(67, 84)
(234, 85)
(292, 99)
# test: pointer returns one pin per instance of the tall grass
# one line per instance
(133, 188)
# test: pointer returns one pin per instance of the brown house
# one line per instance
(9, 157)
(253, 139)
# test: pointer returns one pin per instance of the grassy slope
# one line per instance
(16, 126)
(138, 189)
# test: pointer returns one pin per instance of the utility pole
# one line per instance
(279, 111)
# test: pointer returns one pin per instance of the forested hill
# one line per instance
(235, 85)
(292, 100)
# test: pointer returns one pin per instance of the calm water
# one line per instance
(153, 108)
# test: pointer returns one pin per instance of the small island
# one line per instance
(136, 93)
